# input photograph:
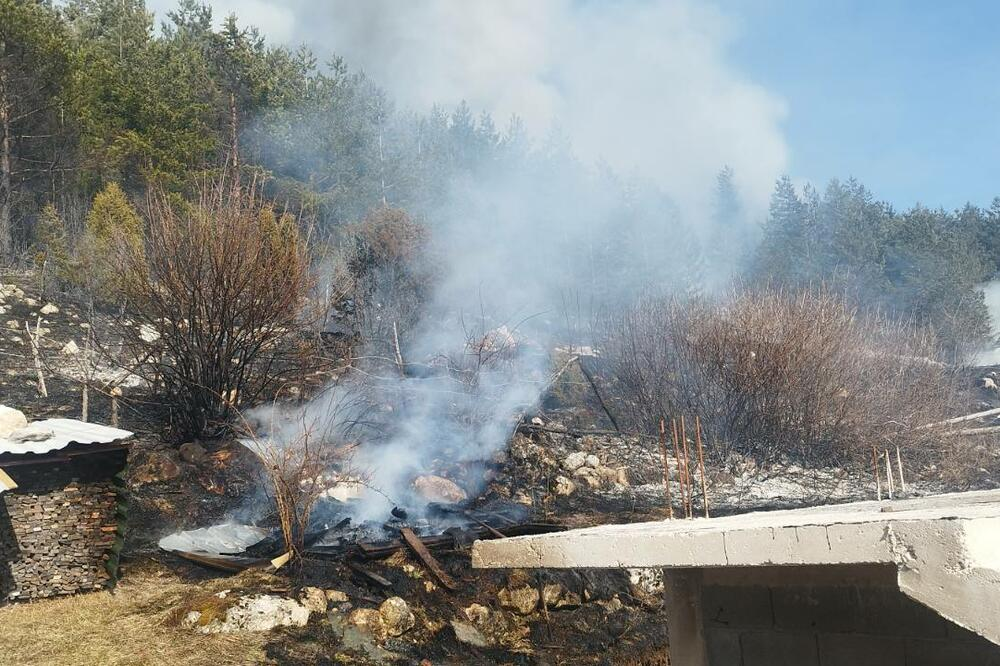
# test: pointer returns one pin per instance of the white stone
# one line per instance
(575, 460)
(397, 618)
(30, 302)
(258, 613)
(13, 325)
(49, 309)
(10, 420)
(593, 461)
(70, 348)
(148, 334)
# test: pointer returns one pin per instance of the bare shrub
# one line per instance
(774, 375)
(387, 264)
(213, 299)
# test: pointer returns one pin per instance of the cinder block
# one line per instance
(939, 652)
(723, 647)
(773, 648)
(889, 612)
(814, 608)
(859, 650)
(736, 606)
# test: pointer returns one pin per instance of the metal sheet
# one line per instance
(217, 539)
(6, 483)
(64, 433)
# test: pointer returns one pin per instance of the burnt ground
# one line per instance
(609, 619)
(578, 479)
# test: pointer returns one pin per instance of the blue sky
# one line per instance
(905, 96)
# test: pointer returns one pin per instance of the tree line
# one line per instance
(95, 98)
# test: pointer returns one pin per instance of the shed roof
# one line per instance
(63, 433)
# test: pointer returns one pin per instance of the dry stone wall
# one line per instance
(59, 530)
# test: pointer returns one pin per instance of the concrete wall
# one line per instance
(829, 616)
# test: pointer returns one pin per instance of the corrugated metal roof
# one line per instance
(63, 433)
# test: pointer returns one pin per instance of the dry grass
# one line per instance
(135, 624)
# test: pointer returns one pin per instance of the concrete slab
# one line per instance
(946, 549)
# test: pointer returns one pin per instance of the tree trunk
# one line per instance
(6, 189)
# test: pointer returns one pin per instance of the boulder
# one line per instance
(70, 348)
(193, 453)
(49, 309)
(262, 612)
(397, 618)
(522, 600)
(439, 489)
(574, 461)
(10, 420)
(593, 461)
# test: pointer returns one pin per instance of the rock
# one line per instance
(593, 461)
(70, 348)
(314, 599)
(564, 486)
(588, 474)
(467, 633)
(13, 325)
(557, 597)
(30, 302)
(31, 433)
(148, 334)
(439, 489)
(524, 498)
(397, 618)
(49, 309)
(623, 476)
(537, 421)
(647, 585)
(607, 475)
(575, 461)
(522, 600)
(368, 620)
(258, 613)
(988, 383)
(11, 291)
(336, 597)
(476, 613)
(195, 454)
(153, 467)
(10, 420)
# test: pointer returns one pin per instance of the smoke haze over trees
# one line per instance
(600, 194)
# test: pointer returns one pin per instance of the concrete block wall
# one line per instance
(856, 624)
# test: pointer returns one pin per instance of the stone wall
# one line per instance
(59, 530)
(794, 618)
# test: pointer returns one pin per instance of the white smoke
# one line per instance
(644, 85)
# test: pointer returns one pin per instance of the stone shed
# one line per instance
(904, 583)
(59, 508)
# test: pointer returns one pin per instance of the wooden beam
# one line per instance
(414, 542)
